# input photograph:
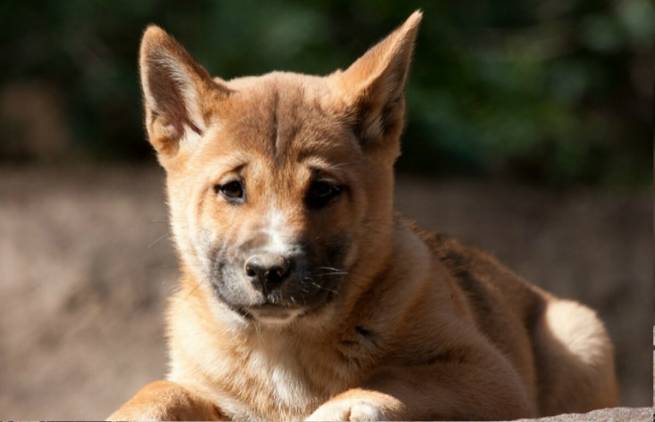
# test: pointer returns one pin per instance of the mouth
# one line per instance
(273, 314)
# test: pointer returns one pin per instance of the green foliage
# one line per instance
(555, 92)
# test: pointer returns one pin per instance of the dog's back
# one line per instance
(559, 347)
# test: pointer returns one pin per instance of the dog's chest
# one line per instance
(276, 382)
(281, 376)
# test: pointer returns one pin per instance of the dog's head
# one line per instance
(280, 186)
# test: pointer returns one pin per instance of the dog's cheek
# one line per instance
(186, 238)
(205, 247)
(337, 251)
(357, 229)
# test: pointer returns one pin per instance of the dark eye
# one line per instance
(232, 191)
(320, 193)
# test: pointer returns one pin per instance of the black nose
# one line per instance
(267, 270)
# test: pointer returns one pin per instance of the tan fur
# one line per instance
(419, 326)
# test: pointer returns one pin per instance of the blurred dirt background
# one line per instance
(86, 264)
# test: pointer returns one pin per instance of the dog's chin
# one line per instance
(264, 313)
(274, 309)
(272, 315)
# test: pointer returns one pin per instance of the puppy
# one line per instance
(303, 296)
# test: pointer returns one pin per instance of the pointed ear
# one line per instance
(373, 86)
(176, 91)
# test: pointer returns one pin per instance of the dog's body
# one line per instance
(304, 296)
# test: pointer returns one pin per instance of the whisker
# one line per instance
(330, 268)
(322, 287)
(159, 239)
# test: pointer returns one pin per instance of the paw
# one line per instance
(348, 410)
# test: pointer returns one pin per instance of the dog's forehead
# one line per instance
(284, 113)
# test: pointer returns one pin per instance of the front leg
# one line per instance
(167, 401)
(463, 386)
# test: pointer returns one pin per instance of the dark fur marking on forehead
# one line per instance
(287, 119)
(275, 122)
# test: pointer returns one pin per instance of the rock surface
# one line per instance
(618, 414)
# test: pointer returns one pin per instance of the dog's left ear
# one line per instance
(373, 86)
(177, 92)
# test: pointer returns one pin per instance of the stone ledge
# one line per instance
(631, 414)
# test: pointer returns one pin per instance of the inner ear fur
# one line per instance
(176, 91)
(373, 86)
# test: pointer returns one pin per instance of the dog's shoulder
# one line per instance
(489, 286)
(456, 255)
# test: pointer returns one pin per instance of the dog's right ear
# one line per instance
(373, 86)
(177, 92)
